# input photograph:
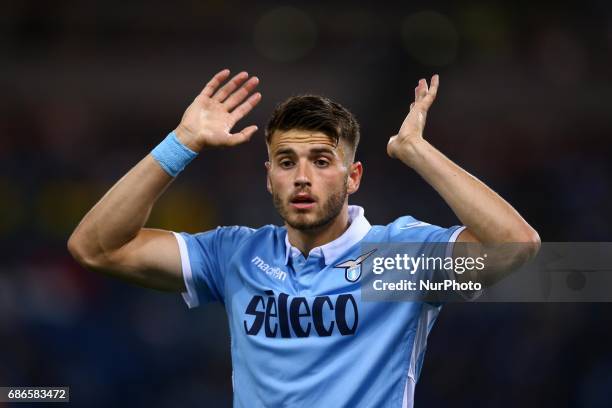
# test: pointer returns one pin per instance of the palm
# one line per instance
(414, 124)
(213, 120)
(208, 121)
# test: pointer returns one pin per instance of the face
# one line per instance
(310, 177)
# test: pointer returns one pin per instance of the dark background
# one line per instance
(89, 88)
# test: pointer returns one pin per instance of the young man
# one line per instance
(301, 334)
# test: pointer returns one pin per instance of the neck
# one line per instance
(305, 241)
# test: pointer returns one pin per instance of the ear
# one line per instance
(268, 185)
(354, 179)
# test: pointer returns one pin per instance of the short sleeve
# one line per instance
(204, 257)
(433, 241)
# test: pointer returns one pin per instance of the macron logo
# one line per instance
(274, 272)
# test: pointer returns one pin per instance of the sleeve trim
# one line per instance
(190, 296)
(452, 239)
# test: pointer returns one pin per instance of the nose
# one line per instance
(302, 176)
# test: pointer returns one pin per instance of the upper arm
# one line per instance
(151, 259)
(466, 236)
(502, 258)
(205, 257)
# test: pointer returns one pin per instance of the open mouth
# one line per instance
(302, 201)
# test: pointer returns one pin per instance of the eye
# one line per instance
(321, 163)
(285, 164)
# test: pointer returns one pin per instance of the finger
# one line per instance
(237, 97)
(435, 82)
(230, 87)
(411, 105)
(243, 136)
(246, 107)
(214, 83)
(421, 90)
(433, 91)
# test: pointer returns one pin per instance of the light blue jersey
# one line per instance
(300, 334)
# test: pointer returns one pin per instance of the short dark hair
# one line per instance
(316, 113)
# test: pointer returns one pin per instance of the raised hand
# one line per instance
(209, 119)
(412, 128)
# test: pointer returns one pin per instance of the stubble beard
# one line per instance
(330, 209)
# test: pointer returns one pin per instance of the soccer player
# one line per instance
(300, 332)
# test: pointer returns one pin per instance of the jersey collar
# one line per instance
(333, 250)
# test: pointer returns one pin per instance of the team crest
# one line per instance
(352, 267)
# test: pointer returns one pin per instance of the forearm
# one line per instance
(486, 215)
(120, 215)
(111, 238)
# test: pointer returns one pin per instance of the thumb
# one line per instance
(243, 136)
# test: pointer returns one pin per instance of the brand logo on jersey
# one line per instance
(352, 267)
(284, 315)
(273, 271)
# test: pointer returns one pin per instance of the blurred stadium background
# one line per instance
(88, 88)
